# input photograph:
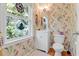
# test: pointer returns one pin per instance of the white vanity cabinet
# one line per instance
(42, 40)
(43, 36)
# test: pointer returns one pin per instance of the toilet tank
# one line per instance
(59, 38)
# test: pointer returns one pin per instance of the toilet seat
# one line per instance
(58, 47)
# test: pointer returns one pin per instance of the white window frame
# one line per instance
(3, 25)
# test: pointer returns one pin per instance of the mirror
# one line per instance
(45, 22)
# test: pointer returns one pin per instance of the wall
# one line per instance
(23, 48)
(61, 19)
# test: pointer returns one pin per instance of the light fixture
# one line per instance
(44, 7)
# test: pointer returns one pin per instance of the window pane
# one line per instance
(17, 28)
(19, 25)
(13, 9)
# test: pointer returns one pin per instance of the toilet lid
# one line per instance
(58, 46)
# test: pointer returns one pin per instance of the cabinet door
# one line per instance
(42, 41)
(45, 41)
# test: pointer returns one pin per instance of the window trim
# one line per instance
(3, 30)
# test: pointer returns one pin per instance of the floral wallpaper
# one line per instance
(20, 49)
(61, 19)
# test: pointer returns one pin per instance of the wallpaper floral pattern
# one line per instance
(61, 19)
(20, 49)
(63, 16)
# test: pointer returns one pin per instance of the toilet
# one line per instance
(58, 45)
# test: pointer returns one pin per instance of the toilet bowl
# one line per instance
(58, 45)
(58, 49)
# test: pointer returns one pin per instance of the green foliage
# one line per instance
(11, 30)
(12, 9)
